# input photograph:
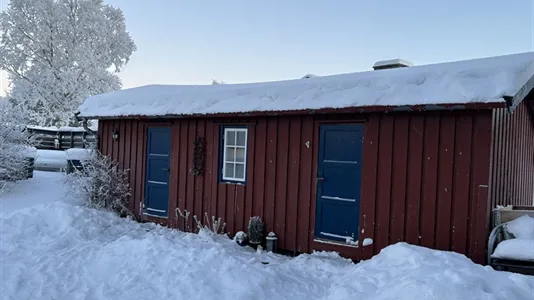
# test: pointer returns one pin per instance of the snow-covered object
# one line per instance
(522, 227)
(522, 246)
(367, 242)
(516, 249)
(82, 253)
(392, 62)
(55, 159)
(78, 153)
(309, 76)
(72, 49)
(463, 82)
(240, 237)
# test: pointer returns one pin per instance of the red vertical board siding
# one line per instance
(425, 176)
(513, 157)
(198, 207)
(305, 184)
(292, 183)
(480, 168)
(209, 171)
(369, 183)
(190, 179)
(259, 168)
(383, 197)
(182, 171)
(399, 177)
(461, 180)
(270, 172)
(445, 176)
(141, 163)
(251, 156)
(429, 184)
(281, 180)
(173, 178)
(413, 186)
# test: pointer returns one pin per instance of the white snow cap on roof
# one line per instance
(485, 80)
(392, 62)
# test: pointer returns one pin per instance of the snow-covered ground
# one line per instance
(51, 248)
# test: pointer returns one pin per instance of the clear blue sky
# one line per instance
(191, 42)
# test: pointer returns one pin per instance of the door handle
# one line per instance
(319, 179)
(166, 169)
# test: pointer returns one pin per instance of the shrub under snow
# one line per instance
(15, 147)
(102, 184)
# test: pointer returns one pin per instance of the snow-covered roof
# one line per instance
(485, 80)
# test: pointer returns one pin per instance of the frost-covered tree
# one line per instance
(59, 52)
(15, 145)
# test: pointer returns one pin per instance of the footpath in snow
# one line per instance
(51, 248)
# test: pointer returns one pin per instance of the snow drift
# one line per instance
(59, 250)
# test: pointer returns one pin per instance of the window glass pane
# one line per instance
(241, 138)
(240, 155)
(230, 154)
(240, 171)
(229, 170)
(230, 137)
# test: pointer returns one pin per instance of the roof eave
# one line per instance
(513, 101)
(365, 109)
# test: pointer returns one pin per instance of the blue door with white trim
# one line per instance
(339, 175)
(157, 171)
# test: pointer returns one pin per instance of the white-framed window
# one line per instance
(234, 156)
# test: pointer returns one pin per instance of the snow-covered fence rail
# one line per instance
(61, 138)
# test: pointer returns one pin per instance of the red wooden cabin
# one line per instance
(417, 154)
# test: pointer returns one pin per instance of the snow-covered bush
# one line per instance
(215, 225)
(102, 184)
(256, 229)
(15, 147)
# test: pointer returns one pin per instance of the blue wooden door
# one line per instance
(157, 171)
(338, 182)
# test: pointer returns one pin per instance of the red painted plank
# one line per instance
(259, 168)
(462, 162)
(190, 179)
(281, 180)
(270, 172)
(399, 179)
(251, 156)
(141, 162)
(240, 192)
(198, 180)
(430, 171)
(383, 197)
(369, 182)
(133, 165)
(479, 216)
(116, 143)
(173, 180)
(445, 181)
(122, 142)
(182, 169)
(102, 137)
(292, 184)
(413, 185)
(229, 218)
(210, 177)
(305, 185)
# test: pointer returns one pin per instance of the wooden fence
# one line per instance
(61, 139)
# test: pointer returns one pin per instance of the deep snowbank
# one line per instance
(58, 250)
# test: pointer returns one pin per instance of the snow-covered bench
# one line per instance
(511, 242)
